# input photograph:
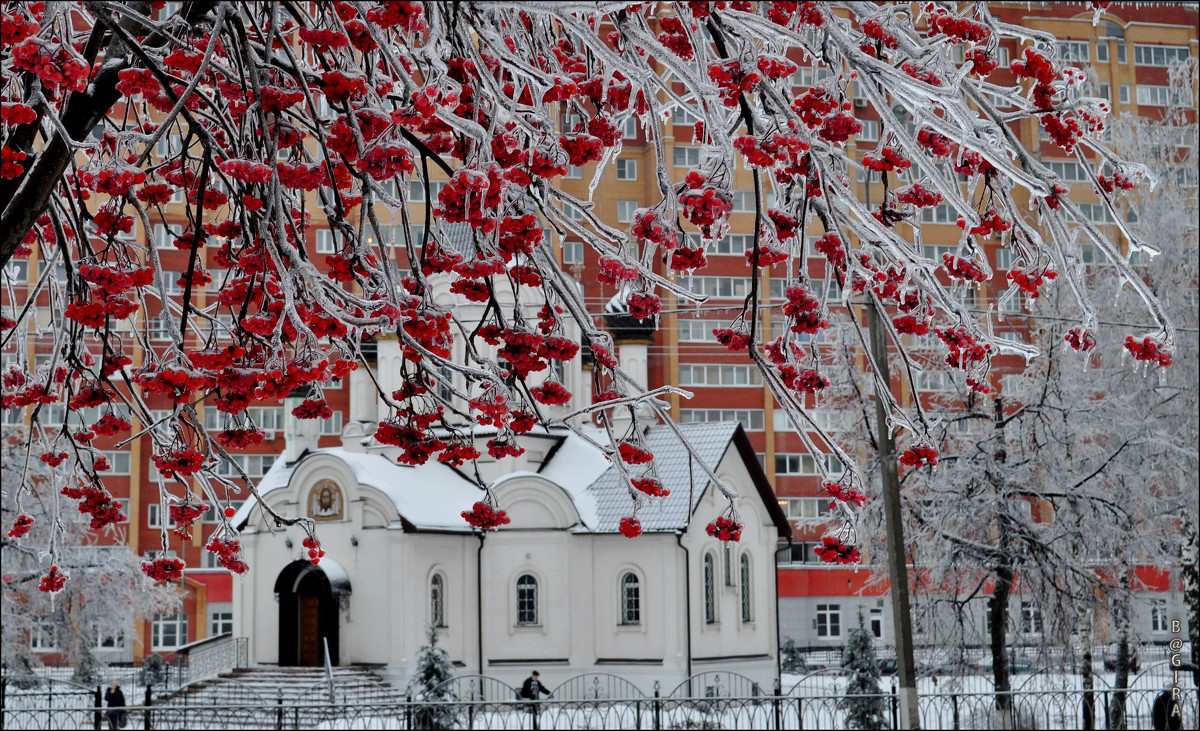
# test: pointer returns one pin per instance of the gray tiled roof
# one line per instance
(613, 502)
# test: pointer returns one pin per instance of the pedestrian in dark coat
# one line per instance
(116, 707)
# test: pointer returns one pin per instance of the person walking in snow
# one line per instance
(116, 707)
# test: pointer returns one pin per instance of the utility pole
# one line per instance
(906, 670)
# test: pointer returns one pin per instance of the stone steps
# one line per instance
(268, 684)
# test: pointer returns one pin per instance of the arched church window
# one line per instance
(631, 599)
(527, 600)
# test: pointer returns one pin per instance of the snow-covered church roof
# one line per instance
(432, 496)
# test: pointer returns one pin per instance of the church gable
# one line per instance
(535, 502)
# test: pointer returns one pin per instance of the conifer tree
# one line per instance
(862, 703)
(428, 683)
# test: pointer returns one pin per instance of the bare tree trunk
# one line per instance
(998, 612)
(1116, 710)
(1089, 679)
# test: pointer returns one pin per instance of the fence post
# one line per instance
(895, 707)
(657, 709)
(954, 703)
(1107, 724)
(637, 714)
(408, 713)
(99, 710)
(296, 717)
(799, 713)
(146, 724)
(279, 710)
(775, 703)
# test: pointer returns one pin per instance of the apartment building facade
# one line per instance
(1130, 49)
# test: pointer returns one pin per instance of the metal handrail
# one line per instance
(328, 668)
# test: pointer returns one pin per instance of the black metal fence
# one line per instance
(1132, 709)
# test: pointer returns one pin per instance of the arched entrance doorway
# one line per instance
(309, 613)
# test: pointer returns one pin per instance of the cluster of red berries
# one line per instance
(1035, 66)
(845, 494)
(21, 526)
(551, 393)
(803, 380)
(984, 62)
(876, 32)
(1116, 182)
(229, 554)
(322, 39)
(990, 223)
(839, 128)
(643, 306)
(886, 160)
(630, 527)
(633, 454)
(965, 351)
(1148, 349)
(732, 80)
(959, 29)
(54, 459)
(647, 226)
(804, 311)
(501, 448)
(614, 271)
(920, 74)
(650, 486)
(163, 569)
(910, 325)
(180, 462)
(313, 409)
(1080, 339)
(247, 171)
(486, 517)
(314, 549)
(53, 582)
(831, 247)
(10, 163)
(114, 279)
(724, 529)
(736, 340)
(705, 207)
(186, 514)
(919, 455)
(51, 62)
(298, 175)
(966, 269)
(687, 259)
(456, 453)
(917, 195)
(96, 503)
(1031, 282)
(833, 550)
(674, 37)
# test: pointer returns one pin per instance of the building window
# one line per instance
(877, 623)
(44, 636)
(807, 465)
(1031, 618)
(574, 172)
(684, 156)
(1074, 51)
(744, 571)
(710, 590)
(165, 235)
(168, 631)
(220, 623)
(332, 425)
(1149, 95)
(1158, 615)
(527, 600)
(108, 638)
(325, 241)
(1124, 90)
(1144, 55)
(626, 169)
(1101, 51)
(829, 620)
(625, 211)
(154, 517)
(437, 601)
(719, 375)
(572, 252)
(870, 131)
(631, 599)
(750, 419)
(629, 128)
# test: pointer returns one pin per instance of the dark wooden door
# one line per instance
(310, 642)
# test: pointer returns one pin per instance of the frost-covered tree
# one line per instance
(428, 683)
(271, 119)
(60, 583)
(863, 702)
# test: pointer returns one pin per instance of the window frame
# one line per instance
(828, 621)
(709, 572)
(745, 576)
(627, 169)
(630, 593)
(159, 622)
(527, 616)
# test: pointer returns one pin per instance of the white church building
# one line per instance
(558, 590)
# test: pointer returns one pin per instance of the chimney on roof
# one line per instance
(632, 338)
(300, 435)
